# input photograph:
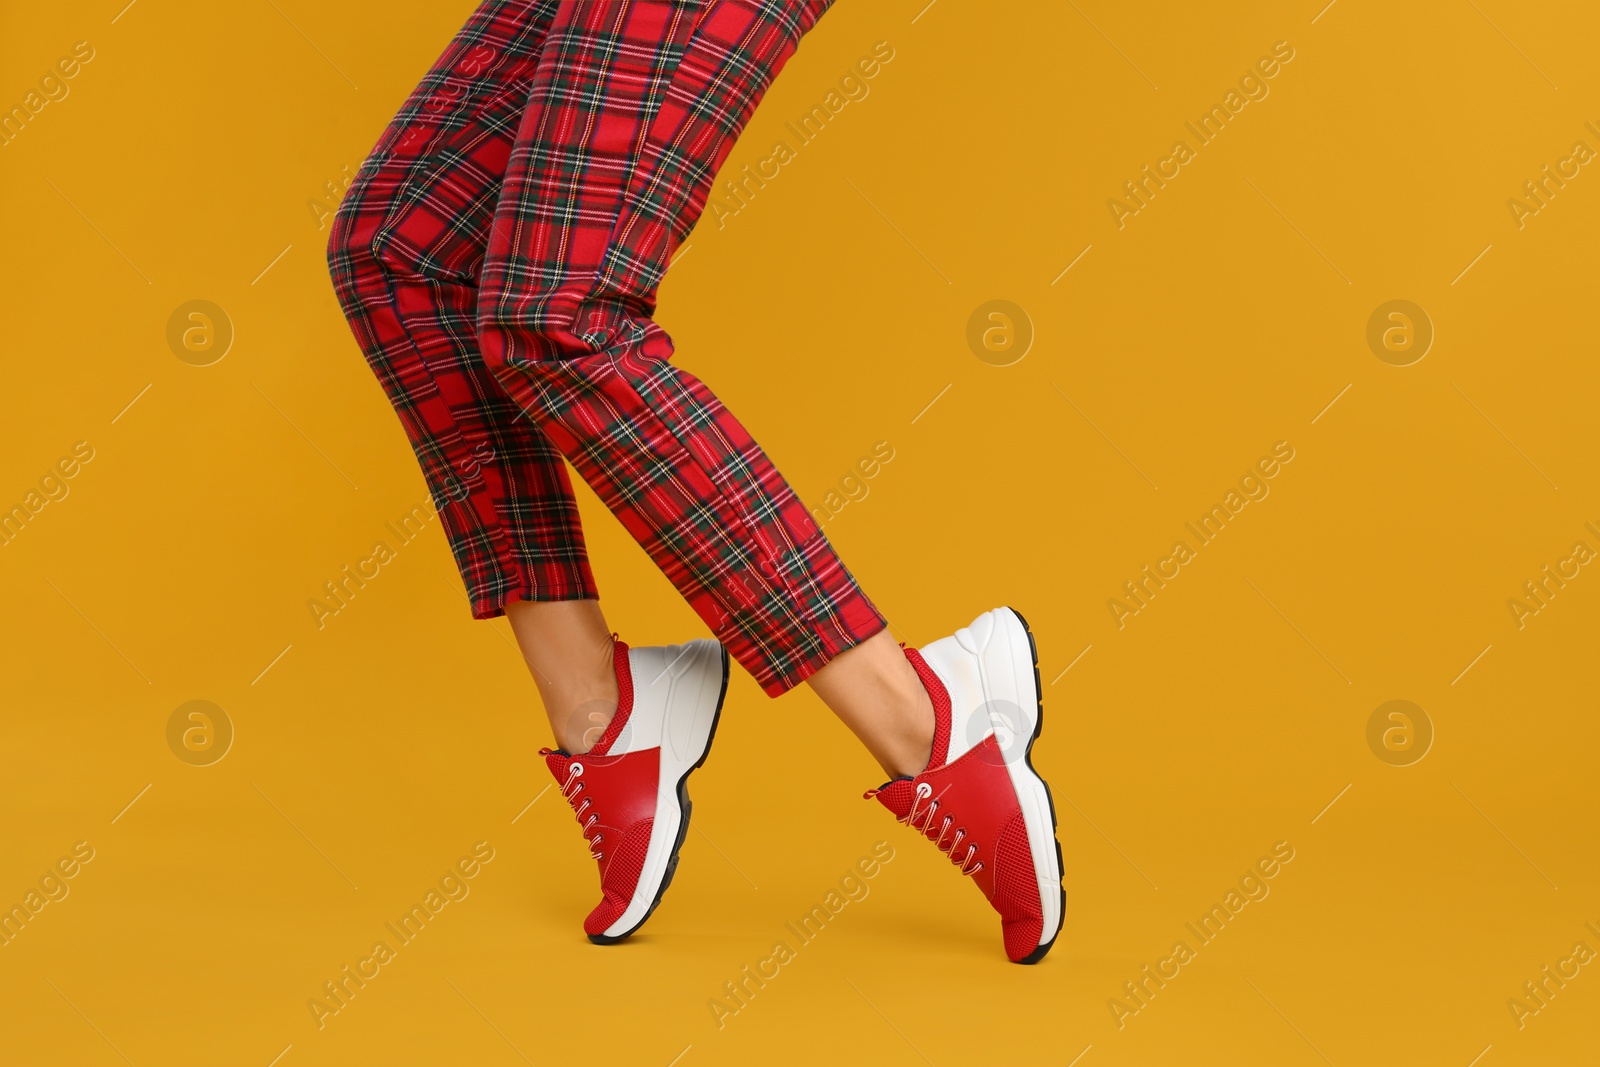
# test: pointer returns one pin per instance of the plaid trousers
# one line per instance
(498, 257)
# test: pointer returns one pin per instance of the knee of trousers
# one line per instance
(349, 258)
(519, 329)
(370, 244)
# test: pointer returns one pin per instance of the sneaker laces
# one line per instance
(572, 789)
(921, 816)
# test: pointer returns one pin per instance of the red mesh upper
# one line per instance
(941, 707)
(619, 792)
(896, 796)
(976, 793)
(1016, 890)
(619, 875)
(619, 662)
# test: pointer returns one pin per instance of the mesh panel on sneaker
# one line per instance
(619, 662)
(1016, 890)
(619, 875)
(894, 795)
(941, 707)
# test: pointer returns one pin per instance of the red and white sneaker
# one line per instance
(629, 790)
(980, 800)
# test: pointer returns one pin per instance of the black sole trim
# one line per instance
(685, 806)
(1038, 727)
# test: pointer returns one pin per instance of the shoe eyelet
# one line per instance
(924, 790)
(576, 770)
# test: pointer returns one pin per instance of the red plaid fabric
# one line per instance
(498, 257)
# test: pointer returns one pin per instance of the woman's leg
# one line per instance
(876, 693)
(569, 650)
(635, 105)
(406, 249)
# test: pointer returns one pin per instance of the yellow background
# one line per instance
(1223, 718)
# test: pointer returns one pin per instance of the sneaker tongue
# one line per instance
(896, 796)
(557, 762)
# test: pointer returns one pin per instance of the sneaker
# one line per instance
(629, 790)
(980, 800)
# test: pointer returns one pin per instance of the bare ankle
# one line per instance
(580, 729)
(877, 693)
(915, 744)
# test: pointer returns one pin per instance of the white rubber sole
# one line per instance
(677, 697)
(1002, 647)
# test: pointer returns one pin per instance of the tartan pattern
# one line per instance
(618, 114)
(405, 253)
